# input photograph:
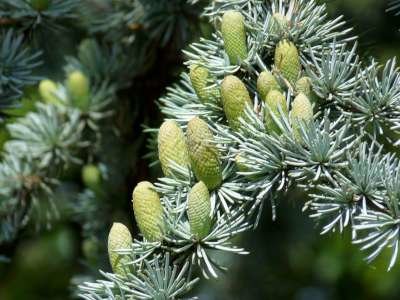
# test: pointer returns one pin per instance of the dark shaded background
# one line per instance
(288, 260)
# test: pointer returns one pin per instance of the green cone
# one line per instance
(273, 100)
(301, 110)
(279, 24)
(239, 161)
(266, 82)
(148, 211)
(91, 176)
(234, 99)
(199, 210)
(234, 35)
(303, 85)
(47, 91)
(172, 147)
(40, 5)
(79, 88)
(199, 77)
(204, 156)
(287, 61)
(118, 238)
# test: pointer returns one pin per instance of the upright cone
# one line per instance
(78, 86)
(199, 210)
(234, 35)
(287, 61)
(279, 24)
(301, 110)
(204, 155)
(199, 77)
(266, 82)
(234, 99)
(303, 85)
(118, 238)
(91, 176)
(47, 91)
(273, 100)
(172, 147)
(148, 211)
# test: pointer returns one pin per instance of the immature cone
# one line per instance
(240, 163)
(78, 86)
(47, 91)
(148, 211)
(199, 210)
(279, 24)
(234, 99)
(172, 147)
(118, 238)
(266, 82)
(287, 60)
(199, 77)
(303, 85)
(234, 35)
(91, 176)
(273, 100)
(301, 110)
(40, 5)
(204, 156)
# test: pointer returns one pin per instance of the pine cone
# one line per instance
(279, 24)
(78, 86)
(303, 85)
(273, 100)
(48, 90)
(234, 99)
(301, 110)
(148, 211)
(172, 147)
(199, 210)
(287, 61)
(204, 156)
(118, 238)
(234, 35)
(91, 176)
(199, 77)
(40, 5)
(266, 82)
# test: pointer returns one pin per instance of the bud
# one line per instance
(303, 85)
(279, 24)
(78, 86)
(287, 60)
(204, 155)
(234, 99)
(301, 110)
(48, 90)
(118, 238)
(199, 210)
(40, 5)
(273, 100)
(234, 35)
(266, 82)
(240, 163)
(91, 176)
(199, 77)
(148, 211)
(172, 147)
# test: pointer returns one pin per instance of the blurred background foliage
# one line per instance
(288, 260)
